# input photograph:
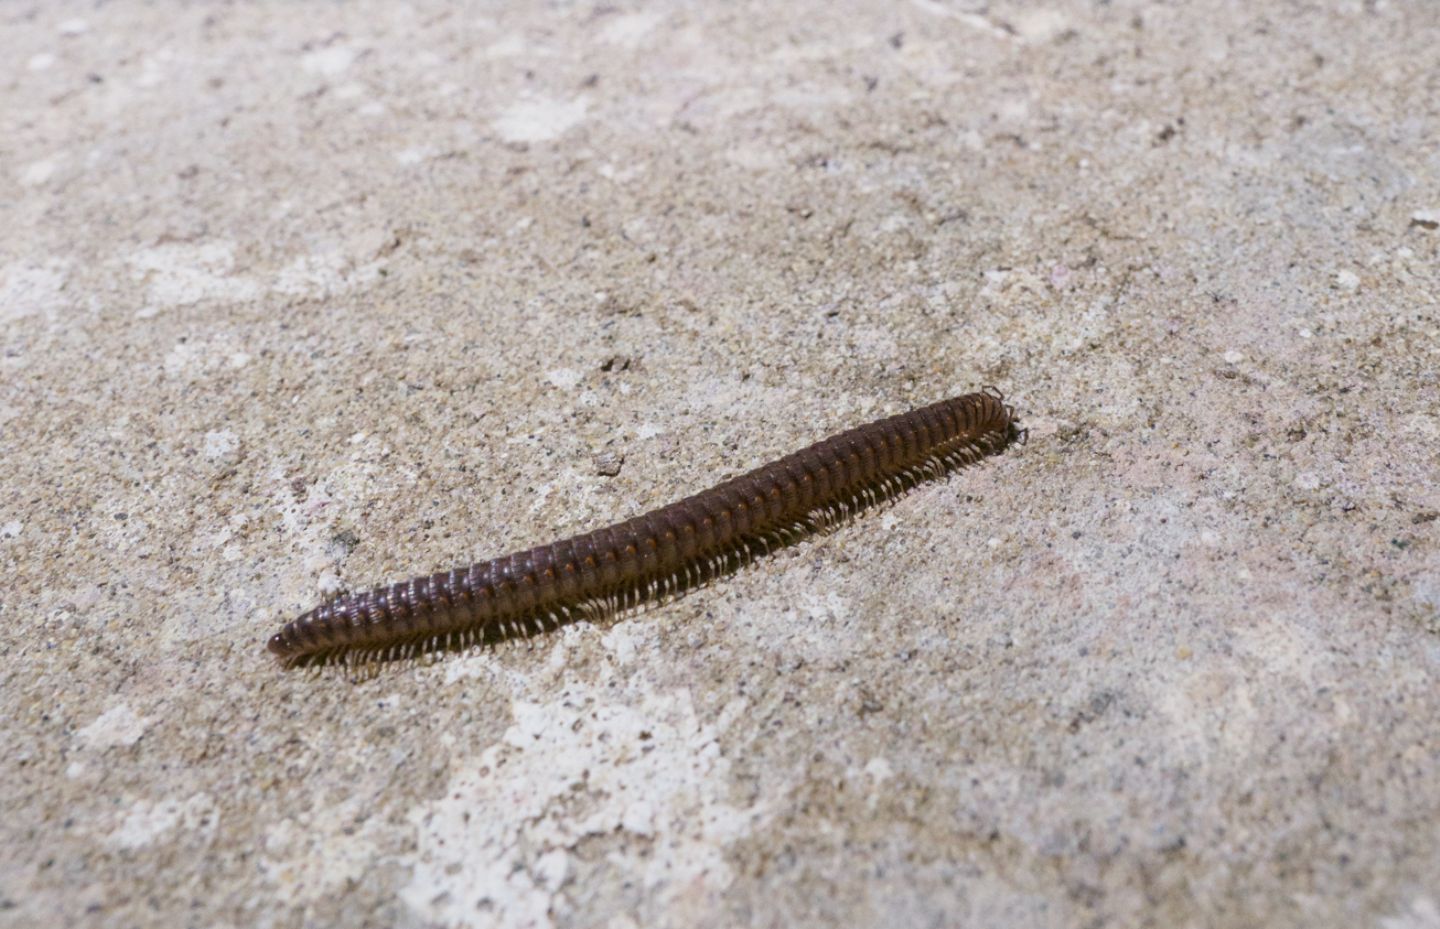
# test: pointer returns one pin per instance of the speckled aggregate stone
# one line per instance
(296, 298)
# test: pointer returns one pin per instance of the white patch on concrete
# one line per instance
(153, 72)
(540, 119)
(11, 529)
(629, 29)
(329, 61)
(221, 446)
(508, 47)
(27, 289)
(184, 359)
(1211, 711)
(498, 848)
(1287, 650)
(1347, 280)
(328, 584)
(466, 668)
(879, 771)
(564, 378)
(814, 97)
(625, 639)
(145, 822)
(178, 274)
(310, 275)
(810, 632)
(74, 27)
(621, 175)
(40, 62)
(1207, 714)
(874, 341)
(1039, 25)
(973, 20)
(994, 283)
(116, 727)
(38, 172)
(1426, 591)
(540, 494)
(1422, 424)
(1422, 913)
(754, 157)
(416, 154)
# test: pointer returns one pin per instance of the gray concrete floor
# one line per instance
(300, 297)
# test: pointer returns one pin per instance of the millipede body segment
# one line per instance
(663, 551)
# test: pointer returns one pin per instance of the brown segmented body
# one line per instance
(660, 552)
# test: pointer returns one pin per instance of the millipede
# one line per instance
(660, 553)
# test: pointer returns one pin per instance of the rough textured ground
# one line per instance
(301, 297)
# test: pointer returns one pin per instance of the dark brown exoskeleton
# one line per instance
(662, 552)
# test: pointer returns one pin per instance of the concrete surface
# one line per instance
(303, 296)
